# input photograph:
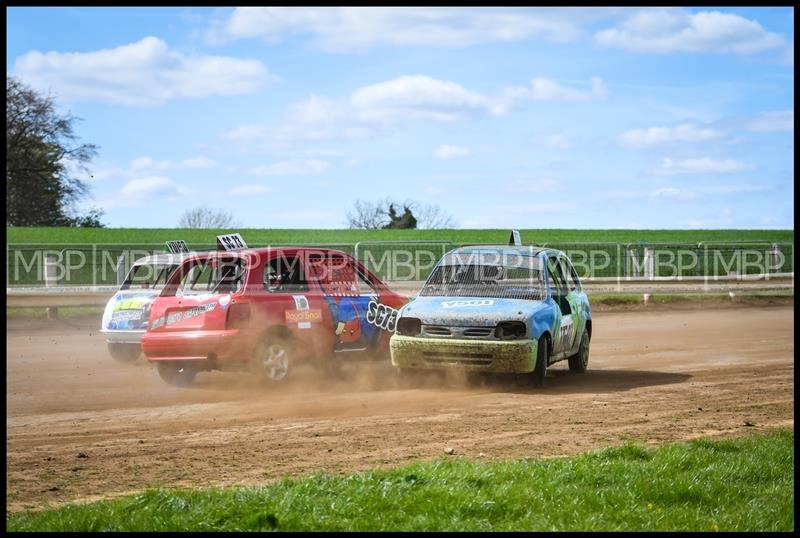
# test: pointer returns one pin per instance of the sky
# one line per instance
(504, 118)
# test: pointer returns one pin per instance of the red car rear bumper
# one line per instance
(224, 345)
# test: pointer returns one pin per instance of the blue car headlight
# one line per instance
(510, 330)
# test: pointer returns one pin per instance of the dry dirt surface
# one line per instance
(81, 426)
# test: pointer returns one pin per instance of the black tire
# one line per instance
(272, 359)
(580, 360)
(540, 370)
(124, 352)
(177, 373)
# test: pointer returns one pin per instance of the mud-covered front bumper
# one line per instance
(516, 356)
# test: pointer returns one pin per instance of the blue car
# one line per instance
(502, 309)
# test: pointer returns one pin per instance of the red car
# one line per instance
(267, 310)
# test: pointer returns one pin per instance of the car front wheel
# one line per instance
(540, 370)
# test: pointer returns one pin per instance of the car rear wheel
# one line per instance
(124, 352)
(579, 361)
(177, 373)
(540, 370)
(273, 358)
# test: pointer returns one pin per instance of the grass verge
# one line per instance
(266, 236)
(63, 312)
(739, 484)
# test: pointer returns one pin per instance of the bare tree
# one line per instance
(366, 215)
(432, 217)
(373, 215)
(204, 217)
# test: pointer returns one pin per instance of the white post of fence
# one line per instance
(649, 264)
(121, 269)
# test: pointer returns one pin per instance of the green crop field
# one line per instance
(73, 236)
(745, 484)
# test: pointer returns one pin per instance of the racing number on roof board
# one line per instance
(231, 241)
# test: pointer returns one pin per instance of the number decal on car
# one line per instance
(565, 333)
(382, 316)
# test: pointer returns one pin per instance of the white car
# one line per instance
(126, 315)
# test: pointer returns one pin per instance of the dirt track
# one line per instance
(81, 426)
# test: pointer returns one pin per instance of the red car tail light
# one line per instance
(238, 315)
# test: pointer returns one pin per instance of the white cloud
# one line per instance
(148, 163)
(144, 73)
(250, 189)
(294, 167)
(671, 193)
(544, 89)
(416, 96)
(392, 102)
(778, 120)
(449, 151)
(148, 186)
(142, 190)
(703, 165)
(345, 29)
(364, 111)
(664, 31)
(681, 194)
(687, 132)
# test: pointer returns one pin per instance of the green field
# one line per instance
(745, 484)
(307, 236)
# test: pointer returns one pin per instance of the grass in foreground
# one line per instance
(741, 484)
